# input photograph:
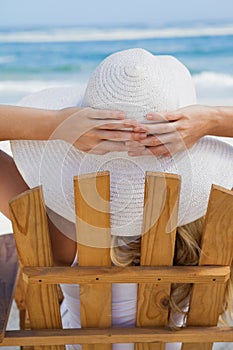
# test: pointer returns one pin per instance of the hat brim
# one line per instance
(54, 163)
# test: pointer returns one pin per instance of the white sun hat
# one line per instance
(135, 82)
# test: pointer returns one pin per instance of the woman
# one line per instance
(137, 83)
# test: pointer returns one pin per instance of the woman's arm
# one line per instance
(224, 125)
(21, 123)
(88, 129)
(171, 132)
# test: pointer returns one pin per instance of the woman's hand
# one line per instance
(88, 129)
(96, 131)
(171, 132)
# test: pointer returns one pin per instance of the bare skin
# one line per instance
(87, 129)
(11, 185)
(171, 132)
(98, 132)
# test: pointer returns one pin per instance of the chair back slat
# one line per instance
(28, 216)
(92, 203)
(157, 249)
(216, 249)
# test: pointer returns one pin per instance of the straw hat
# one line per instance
(136, 82)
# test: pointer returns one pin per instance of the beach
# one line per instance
(32, 59)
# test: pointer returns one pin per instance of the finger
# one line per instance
(109, 146)
(161, 128)
(140, 152)
(164, 116)
(133, 145)
(105, 114)
(161, 150)
(158, 117)
(121, 124)
(151, 141)
(148, 122)
(120, 135)
(156, 140)
(168, 149)
(165, 150)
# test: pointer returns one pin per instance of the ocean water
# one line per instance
(36, 58)
(32, 59)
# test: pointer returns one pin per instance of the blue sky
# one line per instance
(85, 12)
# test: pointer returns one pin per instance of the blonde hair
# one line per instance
(125, 251)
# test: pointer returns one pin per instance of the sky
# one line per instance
(101, 12)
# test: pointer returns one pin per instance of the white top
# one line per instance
(124, 304)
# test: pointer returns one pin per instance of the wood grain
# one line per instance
(217, 249)
(92, 203)
(130, 274)
(20, 297)
(28, 216)
(157, 249)
(194, 335)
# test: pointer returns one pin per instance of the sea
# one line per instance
(36, 58)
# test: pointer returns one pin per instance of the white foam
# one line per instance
(28, 86)
(209, 86)
(96, 34)
(11, 92)
(214, 85)
(212, 88)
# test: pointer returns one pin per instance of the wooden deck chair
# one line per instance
(95, 273)
(8, 276)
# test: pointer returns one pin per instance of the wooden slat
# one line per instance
(131, 274)
(8, 275)
(92, 202)
(217, 248)
(93, 234)
(157, 248)
(30, 226)
(118, 335)
(20, 299)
